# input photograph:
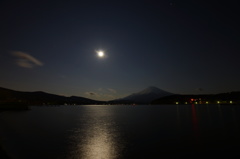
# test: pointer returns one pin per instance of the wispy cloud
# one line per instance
(112, 90)
(102, 94)
(100, 89)
(109, 96)
(92, 94)
(25, 60)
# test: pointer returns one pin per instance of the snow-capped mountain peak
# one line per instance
(147, 95)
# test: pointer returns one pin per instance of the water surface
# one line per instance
(121, 131)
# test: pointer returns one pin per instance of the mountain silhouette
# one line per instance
(145, 96)
(41, 98)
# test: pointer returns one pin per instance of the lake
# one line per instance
(121, 131)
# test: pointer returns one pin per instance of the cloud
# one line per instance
(91, 94)
(100, 89)
(112, 90)
(104, 94)
(25, 60)
(100, 96)
(109, 96)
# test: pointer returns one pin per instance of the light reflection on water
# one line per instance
(98, 138)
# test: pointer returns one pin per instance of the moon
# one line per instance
(100, 53)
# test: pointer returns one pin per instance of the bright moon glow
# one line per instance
(100, 53)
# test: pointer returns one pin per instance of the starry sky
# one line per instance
(186, 47)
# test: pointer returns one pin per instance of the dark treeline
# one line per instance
(222, 98)
(11, 97)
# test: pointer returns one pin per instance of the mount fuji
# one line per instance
(145, 96)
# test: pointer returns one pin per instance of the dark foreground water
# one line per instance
(114, 132)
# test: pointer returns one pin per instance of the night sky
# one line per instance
(186, 47)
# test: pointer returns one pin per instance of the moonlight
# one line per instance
(100, 53)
